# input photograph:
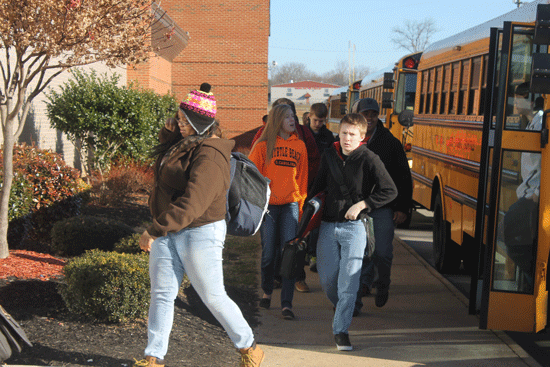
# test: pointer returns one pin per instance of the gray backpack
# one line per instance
(247, 197)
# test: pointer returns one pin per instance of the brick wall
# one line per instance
(227, 48)
(155, 74)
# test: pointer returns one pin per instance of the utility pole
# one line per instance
(351, 63)
(517, 2)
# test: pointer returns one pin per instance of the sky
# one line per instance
(318, 33)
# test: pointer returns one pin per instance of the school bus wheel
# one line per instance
(446, 253)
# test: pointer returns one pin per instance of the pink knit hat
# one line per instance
(200, 108)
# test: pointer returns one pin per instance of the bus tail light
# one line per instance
(410, 63)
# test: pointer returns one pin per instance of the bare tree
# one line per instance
(291, 72)
(414, 35)
(340, 75)
(39, 39)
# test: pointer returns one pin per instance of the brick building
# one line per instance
(228, 45)
(222, 43)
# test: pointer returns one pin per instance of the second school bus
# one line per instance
(394, 88)
(480, 145)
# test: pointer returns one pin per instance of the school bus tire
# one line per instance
(446, 253)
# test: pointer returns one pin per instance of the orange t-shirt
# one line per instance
(287, 170)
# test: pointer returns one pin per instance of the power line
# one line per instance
(334, 51)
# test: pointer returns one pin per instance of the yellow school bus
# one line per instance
(339, 103)
(481, 162)
(394, 88)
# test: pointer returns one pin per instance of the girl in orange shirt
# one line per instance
(282, 157)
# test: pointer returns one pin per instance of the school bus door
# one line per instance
(515, 205)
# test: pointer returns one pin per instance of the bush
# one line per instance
(107, 286)
(128, 245)
(44, 190)
(125, 178)
(110, 120)
(73, 236)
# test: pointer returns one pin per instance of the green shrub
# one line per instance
(128, 245)
(107, 286)
(44, 188)
(73, 236)
(19, 208)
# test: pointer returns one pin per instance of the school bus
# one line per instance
(340, 102)
(479, 151)
(394, 88)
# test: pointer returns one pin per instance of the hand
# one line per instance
(145, 241)
(354, 210)
(399, 217)
(170, 124)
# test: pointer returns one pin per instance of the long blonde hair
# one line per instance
(272, 127)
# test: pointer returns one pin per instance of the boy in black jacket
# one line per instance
(342, 235)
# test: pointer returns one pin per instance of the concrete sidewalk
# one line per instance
(424, 323)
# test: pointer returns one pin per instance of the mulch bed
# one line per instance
(28, 291)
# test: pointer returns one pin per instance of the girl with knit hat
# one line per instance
(188, 204)
(281, 156)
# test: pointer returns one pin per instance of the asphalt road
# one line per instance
(419, 237)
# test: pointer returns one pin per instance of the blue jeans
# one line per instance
(279, 226)
(197, 252)
(384, 229)
(340, 252)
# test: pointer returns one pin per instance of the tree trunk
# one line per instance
(9, 141)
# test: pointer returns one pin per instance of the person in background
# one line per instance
(521, 220)
(313, 155)
(282, 157)
(390, 150)
(342, 235)
(324, 138)
(313, 158)
(305, 119)
(188, 206)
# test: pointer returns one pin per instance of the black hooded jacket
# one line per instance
(390, 150)
(363, 173)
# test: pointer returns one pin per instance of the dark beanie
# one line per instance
(200, 108)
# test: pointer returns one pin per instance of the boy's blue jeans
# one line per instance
(197, 252)
(340, 252)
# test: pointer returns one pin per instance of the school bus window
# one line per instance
(446, 89)
(481, 106)
(406, 92)
(437, 78)
(464, 72)
(473, 98)
(454, 88)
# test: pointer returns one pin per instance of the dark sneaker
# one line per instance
(382, 295)
(301, 286)
(288, 314)
(265, 303)
(342, 342)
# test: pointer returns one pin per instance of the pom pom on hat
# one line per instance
(200, 108)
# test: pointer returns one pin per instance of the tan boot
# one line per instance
(149, 362)
(251, 357)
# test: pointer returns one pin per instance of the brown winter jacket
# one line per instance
(190, 187)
